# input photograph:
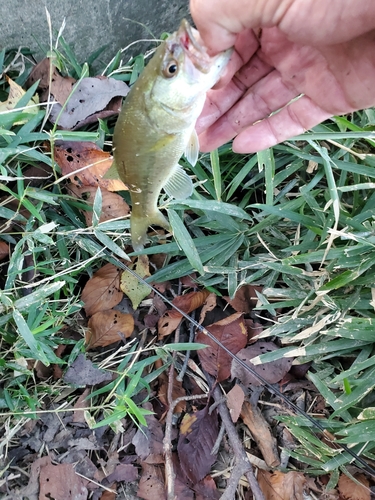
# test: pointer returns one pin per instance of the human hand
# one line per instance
(284, 48)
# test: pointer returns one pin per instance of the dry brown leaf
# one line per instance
(177, 390)
(60, 482)
(151, 484)
(4, 250)
(198, 433)
(272, 372)
(231, 332)
(113, 205)
(280, 486)
(245, 298)
(78, 414)
(109, 495)
(350, 490)
(61, 86)
(107, 327)
(208, 306)
(235, 398)
(261, 432)
(187, 303)
(92, 98)
(102, 291)
(87, 164)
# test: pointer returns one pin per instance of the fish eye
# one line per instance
(171, 69)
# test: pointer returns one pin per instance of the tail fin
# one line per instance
(139, 224)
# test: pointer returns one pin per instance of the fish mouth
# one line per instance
(188, 38)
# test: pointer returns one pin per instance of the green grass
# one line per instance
(297, 220)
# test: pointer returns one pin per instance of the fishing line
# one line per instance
(339, 446)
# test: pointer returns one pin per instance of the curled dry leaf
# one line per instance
(102, 291)
(245, 298)
(280, 486)
(87, 164)
(107, 327)
(198, 433)
(272, 372)
(4, 250)
(131, 286)
(231, 332)
(187, 303)
(349, 490)
(113, 205)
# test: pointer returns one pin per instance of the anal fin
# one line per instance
(179, 185)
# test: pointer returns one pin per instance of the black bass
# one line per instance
(156, 126)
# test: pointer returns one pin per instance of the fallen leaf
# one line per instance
(272, 372)
(280, 486)
(123, 473)
(60, 482)
(177, 391)
(60, 86)
(187, 303)
(208, 306)
(261, 433)
(79, 414)
(151, 484)
(107, 327)
(182, 489)
(235, 399)
(102, 291)
(4, 250)
(87, 164)
(109, 495)
(148, 441)
(244, 299)
(350, 490)
(15, 94)
(132, 287)
(90, 96)
(82, 372)
(198, 433)
(206, 489)
(113, 205)
(231, 332)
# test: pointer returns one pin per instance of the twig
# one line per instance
(243, 465)
(187, 356)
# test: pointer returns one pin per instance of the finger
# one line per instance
(268, 95)
(293, 120)
(219, 21)
(245, 47)
(220, 101)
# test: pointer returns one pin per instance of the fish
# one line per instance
(156, 126)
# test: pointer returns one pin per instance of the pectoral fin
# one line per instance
(192, 149)
(112, 172)
(179, 184)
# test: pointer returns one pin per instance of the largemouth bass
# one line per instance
(156, 126)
